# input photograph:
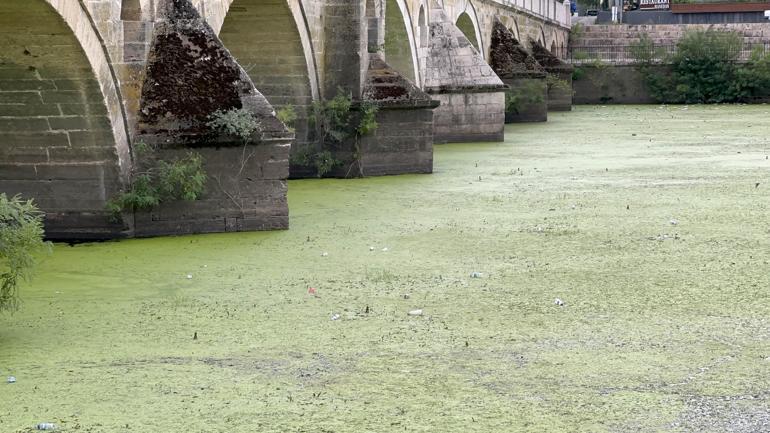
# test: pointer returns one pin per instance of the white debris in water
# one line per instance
(385, 250)
(324, 254)
(476, 275)
(46, 426)
(189, 276)
(11, 379)
(558, 302)
(371, 248)
(335, 317)
(417, 312)
(674, 222)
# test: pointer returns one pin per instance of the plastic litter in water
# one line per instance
(385, 250)
(476, 275)
(371, 248)
(311, 290)
(335, 317)
(324, 254)
(46, 426)
(558, 302)
(417, 312)
(189, 276)
(674, 222)
(11, 379)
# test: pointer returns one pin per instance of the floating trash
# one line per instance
(46, 426)
(674, 222)
(324, 254)
(407, 296)
(417, 312)
(11, 379)
(385, 250)
(335, 317)
(311, 291)
(371, 248)
(558, 302)
(476, 275)
(189, 276)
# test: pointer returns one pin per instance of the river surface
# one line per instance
(649, 223)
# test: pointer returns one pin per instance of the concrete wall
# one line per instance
(625, 35)
(619, 84)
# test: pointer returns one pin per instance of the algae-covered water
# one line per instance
(650, 223)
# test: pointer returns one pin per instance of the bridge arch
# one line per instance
(467, 21)
(513, 25)
(271, 41)
(401, 47)
(62, 124)
(423, 25)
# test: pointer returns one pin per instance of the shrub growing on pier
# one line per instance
(336, 122)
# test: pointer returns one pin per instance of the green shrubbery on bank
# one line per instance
(706, 67)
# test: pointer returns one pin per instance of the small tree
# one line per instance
(21, 236)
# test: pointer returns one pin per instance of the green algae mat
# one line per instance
(649, 224)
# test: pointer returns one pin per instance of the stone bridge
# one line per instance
(83, 81)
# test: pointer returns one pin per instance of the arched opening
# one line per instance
(55, 128)
(399, 42)
(514, 28)
(265, 39)
(422, 28)
(553, 48)
(466, 25)
(375, 26)
(131, 10)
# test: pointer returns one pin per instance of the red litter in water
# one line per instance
(311, 290)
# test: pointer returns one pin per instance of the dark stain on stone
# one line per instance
(189, 74)
(546, 58)
(507, 56)
(386, 87)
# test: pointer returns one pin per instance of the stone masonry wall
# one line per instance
(56, 137)
(471, 95)
(469, 117)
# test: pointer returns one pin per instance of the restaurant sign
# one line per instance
(649, 5)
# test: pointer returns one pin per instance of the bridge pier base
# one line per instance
(527, 96)
(189, 77)
(403, 140)
(560, 81)
(471, 95)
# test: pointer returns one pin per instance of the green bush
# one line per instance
(288, 116)
(705, 68)
(21, 237)
(337, 122)
(179, 179)
(237, 122)
(519, 97)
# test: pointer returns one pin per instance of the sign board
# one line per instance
(649, 5)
